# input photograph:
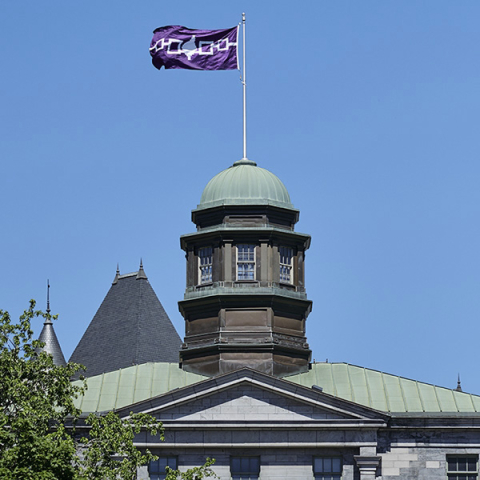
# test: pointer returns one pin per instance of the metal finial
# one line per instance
(141, 271)
(48, 317)
(459, 384)
(48, 296)
(117, 274)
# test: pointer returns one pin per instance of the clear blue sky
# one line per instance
(368, 111)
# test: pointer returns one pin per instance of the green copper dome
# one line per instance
(245, 184)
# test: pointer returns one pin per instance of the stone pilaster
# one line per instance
(367, 466)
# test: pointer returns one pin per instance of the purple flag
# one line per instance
(180, 47)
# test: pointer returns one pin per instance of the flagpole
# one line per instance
(244, 82)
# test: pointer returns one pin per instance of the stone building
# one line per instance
(241, 388)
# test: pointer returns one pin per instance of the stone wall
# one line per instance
(276, 464)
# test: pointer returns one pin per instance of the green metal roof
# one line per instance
(385, 392)
(113, 390)
(381, 391)
(245, 184)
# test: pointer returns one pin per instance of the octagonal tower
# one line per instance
(245, 302)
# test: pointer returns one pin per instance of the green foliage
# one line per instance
(35, 398)
(38, 440)
(196, 473)
(109, 453)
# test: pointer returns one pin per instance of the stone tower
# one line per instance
(245, 302)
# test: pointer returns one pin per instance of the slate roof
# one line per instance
(52, 345)
(130, 328)
(377, 390)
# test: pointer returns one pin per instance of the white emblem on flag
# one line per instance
(174, 46)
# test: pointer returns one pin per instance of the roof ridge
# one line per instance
(352, 390)
(420, 397)
(385, 392)
(125, 275)
(367, 384)
(402, 391)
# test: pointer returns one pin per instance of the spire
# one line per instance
(459, 385)
(141, 271)
(117, 274)
(48, 336)
(48, 318)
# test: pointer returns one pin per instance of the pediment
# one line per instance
(248, 396)
(247, 402)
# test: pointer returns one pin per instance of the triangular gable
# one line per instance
(250, 396)
(245, 401)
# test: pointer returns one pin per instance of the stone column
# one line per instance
(275, 264)
(227, 261)
(192, 267)
(264, 270)
(367, 466)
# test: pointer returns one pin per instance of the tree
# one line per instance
(38, 440)
(35, 398)
(108, 451)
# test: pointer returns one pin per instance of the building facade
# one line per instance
(241, 387)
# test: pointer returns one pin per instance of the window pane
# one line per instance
(245, 467)
(255, 464)
(336, 465)
(156, 468)
(327, 468)
(205, 256)
(286, 256)
(246, 253)
(235, 464)
(318, 464)
(452, 464)
(246, 271)
(459, 466)
(245, 262)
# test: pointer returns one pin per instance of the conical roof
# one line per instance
(131, 327)
(52, 345)
(49, 338)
